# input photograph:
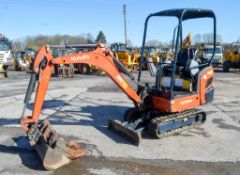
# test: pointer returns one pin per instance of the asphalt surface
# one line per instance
(79, 107)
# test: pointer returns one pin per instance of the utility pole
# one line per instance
(125, 22)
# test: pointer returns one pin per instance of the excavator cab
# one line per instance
(180, 77)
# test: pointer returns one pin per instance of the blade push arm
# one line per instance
(44, 64)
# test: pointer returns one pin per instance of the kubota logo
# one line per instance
(185, 102)
(77, 58)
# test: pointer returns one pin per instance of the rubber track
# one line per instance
(153, 126)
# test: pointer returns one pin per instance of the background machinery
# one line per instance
(232, 57)
(166, 106)
(23, 60)
(206, 51)
(18, 60)
(127, 56)
(218, 57)
(152, 54)
(63, 70)
(5, 54)
(30, 55)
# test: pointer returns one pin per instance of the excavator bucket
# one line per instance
(126, 129)
(52, 148)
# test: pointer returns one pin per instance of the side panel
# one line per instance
(176, 105)
(205, 86)
(209, 95)
(161, 104)
(185, 103)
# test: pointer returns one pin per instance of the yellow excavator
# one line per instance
(232, 57)
(128, 57)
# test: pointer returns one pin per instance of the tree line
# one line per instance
(38, 41)
(206, 38)
(197, 39)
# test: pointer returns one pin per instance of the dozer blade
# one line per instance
(53, 150)
(126, 130)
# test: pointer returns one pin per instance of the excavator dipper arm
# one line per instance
(52, 148)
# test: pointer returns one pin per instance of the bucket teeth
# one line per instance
(128, 132)
(52, 148)
(73, 149)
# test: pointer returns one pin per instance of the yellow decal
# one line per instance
(122, 81)
(210, 72)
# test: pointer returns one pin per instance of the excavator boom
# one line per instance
(52, 148)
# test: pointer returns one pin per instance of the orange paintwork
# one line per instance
(99, 58)
(44, 78)
(176, 105)
(188, 102)
(203, 80)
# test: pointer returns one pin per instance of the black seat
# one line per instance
(184, 56)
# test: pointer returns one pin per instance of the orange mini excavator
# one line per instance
(166, 106)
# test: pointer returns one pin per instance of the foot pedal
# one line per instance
(126, 130)
(52, 148)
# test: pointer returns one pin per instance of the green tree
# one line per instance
(101, 38)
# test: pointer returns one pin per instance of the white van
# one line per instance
(218, 57)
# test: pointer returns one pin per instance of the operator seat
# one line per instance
(186, 60)
(183, 57)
